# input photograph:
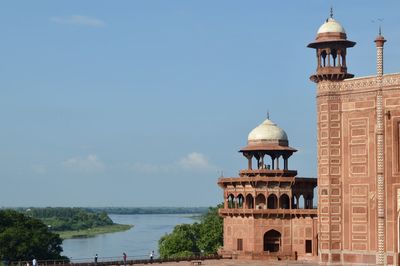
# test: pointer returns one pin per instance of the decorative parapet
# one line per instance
(359, 84)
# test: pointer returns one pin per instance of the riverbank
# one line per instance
(91, 232)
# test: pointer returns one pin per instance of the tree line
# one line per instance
(65, 219)
(150, 210)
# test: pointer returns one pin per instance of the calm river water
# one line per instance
(137, 242)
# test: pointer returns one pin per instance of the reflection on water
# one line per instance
(137, 242)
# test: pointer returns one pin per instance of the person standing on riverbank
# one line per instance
(151, 257)
(124, 257)
(95, 260)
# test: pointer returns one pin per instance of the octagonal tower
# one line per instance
(268, 211)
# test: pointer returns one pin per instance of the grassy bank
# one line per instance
(94, 231)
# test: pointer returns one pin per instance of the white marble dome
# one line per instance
(268, 133)
(331, 25)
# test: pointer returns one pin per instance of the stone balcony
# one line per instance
(268, 172)
(269, 212)
(254, 177)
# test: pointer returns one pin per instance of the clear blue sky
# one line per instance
(143, 103)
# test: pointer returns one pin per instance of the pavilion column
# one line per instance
(250, 160)
(277, 162)
(285, 162)
(273, 162)
(344, 58)
(258, 160)
(319, 58)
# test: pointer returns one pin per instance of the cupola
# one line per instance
(267, 139)
(331, 47)
(268, 133)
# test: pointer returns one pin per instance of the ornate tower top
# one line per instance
(331, 44)
(379, 42)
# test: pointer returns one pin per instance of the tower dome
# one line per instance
(267, 133)
(331, 25)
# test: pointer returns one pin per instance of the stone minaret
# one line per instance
(380, 166)
(331, 48)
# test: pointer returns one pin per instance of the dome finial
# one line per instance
(267, 114)
(331, 15)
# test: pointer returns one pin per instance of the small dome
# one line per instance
(268, 133)
(331, 25)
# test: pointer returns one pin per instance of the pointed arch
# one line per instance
(240, 201)
(231, 201)
(284, 202)
(249, 201)
(272, 241)
(272, 202)
(260, 201)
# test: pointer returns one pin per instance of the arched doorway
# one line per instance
(272, 241)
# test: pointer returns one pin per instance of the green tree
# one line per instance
(24, 238)
(211, 231)
(181, 242)
(186, 240)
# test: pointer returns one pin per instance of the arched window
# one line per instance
(260, 201)
(334, 55)
(240, 200)
(284, 202)
(301, 202)
(272, 201)
(249, 201)
(231, 202)
(272, 241)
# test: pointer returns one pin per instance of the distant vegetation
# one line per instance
(63, 219)
(75, 222)
(151, 210)
(24, 238)
(189, 239)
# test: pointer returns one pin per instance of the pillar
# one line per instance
(380, 167)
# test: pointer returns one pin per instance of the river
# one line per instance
(137, 242)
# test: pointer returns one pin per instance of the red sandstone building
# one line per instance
(358, 172)
(268, 211)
